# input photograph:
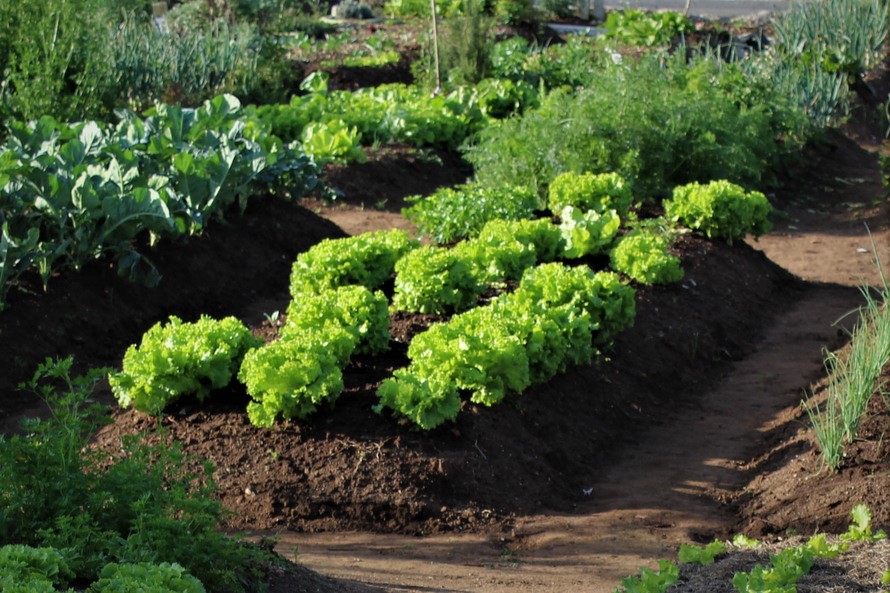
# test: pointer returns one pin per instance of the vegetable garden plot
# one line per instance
(351, 468)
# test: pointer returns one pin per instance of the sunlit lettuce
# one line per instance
(176, 358)
(434, 280)
(555, 318)
(586, 233)
(426, 401)
(362, 313)
(589, 191)
(541, 234)
(291, 377)
(367, 259)
(644, 257)
(720, 210)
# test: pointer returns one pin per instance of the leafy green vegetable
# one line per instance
(787, 568)
(720, 209)
(354, 308)
(586, 233)
(518, 339)
(820, 548)
(292, 376)
(75, 192)
(19, 563)
(434, 280)
(743, 541)
(649, 29)
(541, 234)
(332, 141)
(495, 259)
(587, 191)
(425, 401)
(860, 528)
(451, 214)
(652, 581)
(146, 578)
(177, 358)
(703, 555)
(367, 259)
(644, 256)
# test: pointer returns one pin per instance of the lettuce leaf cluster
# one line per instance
(553, 319)
(177, 358)
(644, 257)
(720, 210)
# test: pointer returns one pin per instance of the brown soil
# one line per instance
(688, 429)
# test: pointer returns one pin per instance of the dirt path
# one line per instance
(673, 484)
(661, 492)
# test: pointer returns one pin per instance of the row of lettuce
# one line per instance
(559, 313)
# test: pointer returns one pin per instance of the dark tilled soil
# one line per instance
(348, 468)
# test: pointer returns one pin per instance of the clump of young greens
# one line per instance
(143, 506)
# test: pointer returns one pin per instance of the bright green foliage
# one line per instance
(587, 191)
(787, 568)
(820, 548)
(540, 234)
(332, 141)
(74, 192)
(498, 98)
(720, 210)
(495, 259)
(144, 577)
(19, 563)
(477, 351)
(362, 313)
(387, 113)
(860, 528)
(743, 541)
(367, 259)
(644, 257)
(176, 359)
(703, 555)
(649, 29)
(426, 401)
(652, 581)
(586, 233)
(518, 339)
(141, 504)
(292, 376)
(650, 121)
(451, 214)
(434, 280)
(608, 301)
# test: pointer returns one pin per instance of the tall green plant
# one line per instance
(51, 56)
(852, 377)
(144, 506)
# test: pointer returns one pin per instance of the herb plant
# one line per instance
(141, 505)
(451, 214)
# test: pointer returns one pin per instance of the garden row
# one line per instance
(780, 575)
(556, 316)
(74, 192)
